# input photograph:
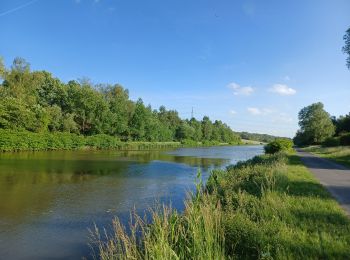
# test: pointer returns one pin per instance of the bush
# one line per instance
(102, 141)
(331, 141)
(281, 144)
(345, 139)
(11, 140)
(189, 142)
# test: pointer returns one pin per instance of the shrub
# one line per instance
(189, 142)
(281, 144)
(102, 141)
(345, 139)
(331, 141)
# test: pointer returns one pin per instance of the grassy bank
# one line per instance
(269, 207)
(27, 141)
(339, 154)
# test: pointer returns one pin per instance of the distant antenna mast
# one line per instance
(192, 113)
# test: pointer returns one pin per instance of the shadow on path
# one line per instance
(335, 177)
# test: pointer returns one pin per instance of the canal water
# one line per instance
(49, 200)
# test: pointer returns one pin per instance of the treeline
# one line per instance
(318, 127)
(37, 102)
(257, 137)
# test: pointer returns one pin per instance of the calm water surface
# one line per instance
(48, 200)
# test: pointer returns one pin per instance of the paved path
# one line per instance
(335, 177)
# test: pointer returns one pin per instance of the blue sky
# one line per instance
(252, 64)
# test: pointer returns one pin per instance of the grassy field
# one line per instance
(269, 207)
(340, 154)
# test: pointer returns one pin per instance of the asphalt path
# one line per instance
(335, 177)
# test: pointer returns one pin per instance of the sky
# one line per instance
(251, 64)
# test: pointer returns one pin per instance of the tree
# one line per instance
(2, 68)
(315, 125)
(207, 128)
(185, 131)
(120, 107)
(346, 48)
(138, 121)
(36, 101)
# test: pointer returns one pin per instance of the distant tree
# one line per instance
(38, 102)
(138, 121)
(207, 128)
(21, 65)
(185, 131)
(197, 126)
(2, 68)
(315, 125)
(346, 48)
(342, 124)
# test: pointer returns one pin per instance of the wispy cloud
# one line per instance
(282, 118)
(233, 112)
(259, 111)
(18, 8)
(239, 90)
(282, 90)
(286, 78)
(271, 115)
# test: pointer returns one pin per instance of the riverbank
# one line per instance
(11, 141)
(339, 154)
(269, 207)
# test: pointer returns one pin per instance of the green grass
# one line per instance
(171, 236)
(269, 207)
(339, 154)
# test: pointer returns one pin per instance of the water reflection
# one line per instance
(55, 196)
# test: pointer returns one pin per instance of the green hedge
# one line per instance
(331, 141)
(23, 140)
(11, 140)
(281, 144)
(345, 139)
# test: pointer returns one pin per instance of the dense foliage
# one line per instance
(342, 124)
(269, 207)
(257, 137)
(315, 125)
(346, 48)
(37, 102)
(15, 140)
(279, 145)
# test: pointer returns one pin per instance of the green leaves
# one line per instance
(315, 125)
(346, 48)
(38, 102)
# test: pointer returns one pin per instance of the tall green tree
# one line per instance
(207, 128)
(346, 48)
(36, 101)
(315, 125)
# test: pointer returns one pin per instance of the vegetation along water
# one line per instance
(49, 199)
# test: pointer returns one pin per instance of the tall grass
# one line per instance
(340, 154)
(197, 233)
(269, 207)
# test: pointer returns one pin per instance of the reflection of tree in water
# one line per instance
(30, 182)
(32, 186)
(193, 161)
